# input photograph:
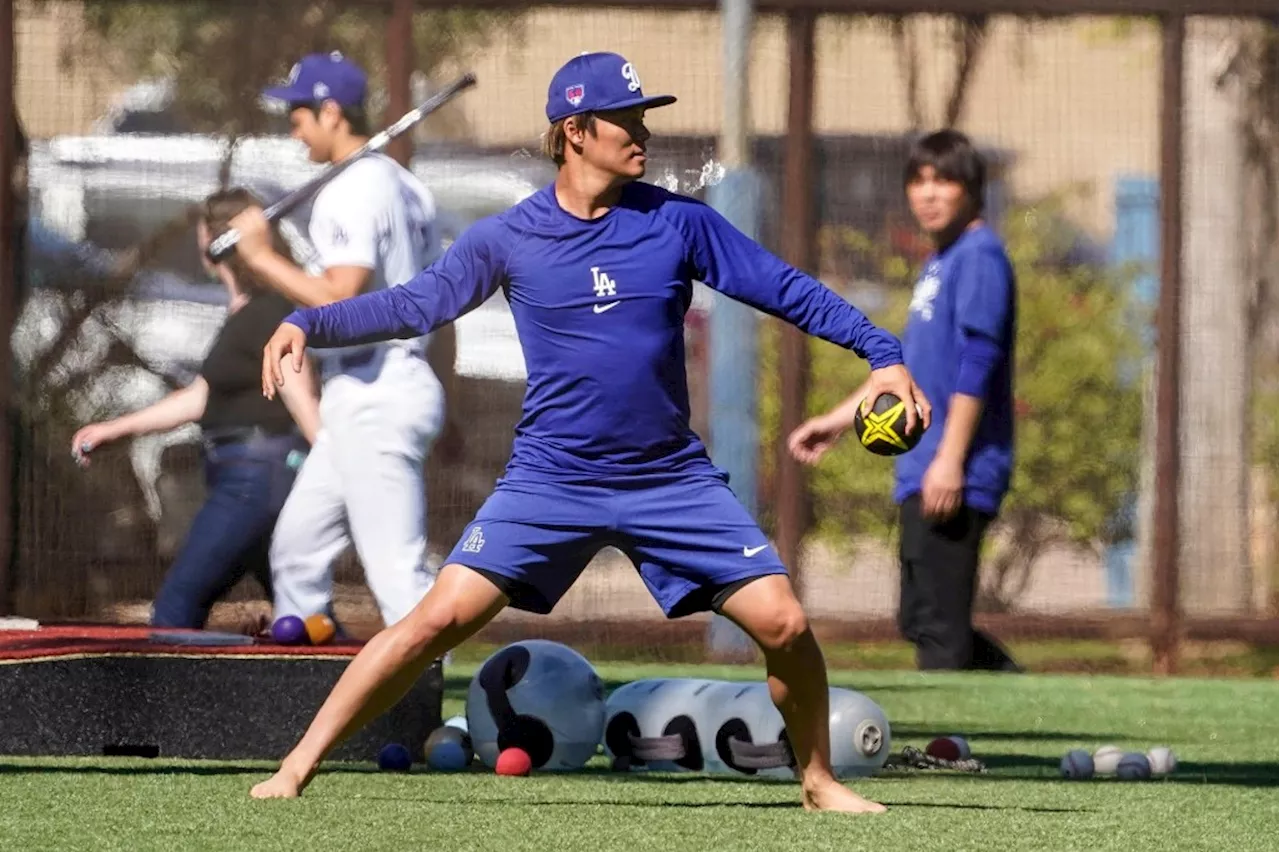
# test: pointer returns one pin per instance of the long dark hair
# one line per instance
(218, 211)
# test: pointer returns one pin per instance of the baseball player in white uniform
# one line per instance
(381, 405)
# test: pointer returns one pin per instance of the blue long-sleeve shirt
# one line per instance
(960, 338)
(599, 308)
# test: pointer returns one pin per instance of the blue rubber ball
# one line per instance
(448, 756)
(289, 630)
(394, 758)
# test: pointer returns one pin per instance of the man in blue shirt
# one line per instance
(598, 268)
(959, 342)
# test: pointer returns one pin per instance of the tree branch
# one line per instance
(112, 288)
(969, 35)
(1010, 571)
(909, 66)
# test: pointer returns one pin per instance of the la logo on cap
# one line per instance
(575, 94)
(632, 77)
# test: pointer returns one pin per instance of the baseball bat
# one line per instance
(221, 247)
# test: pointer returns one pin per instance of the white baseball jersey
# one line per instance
(381, 407)
(376, 215)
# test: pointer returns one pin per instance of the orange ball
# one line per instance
(320, 629)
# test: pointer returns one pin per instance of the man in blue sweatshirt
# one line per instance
(597, 269)
(959, 341)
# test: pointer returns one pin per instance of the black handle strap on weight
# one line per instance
(746, 754)
(669, 748)
(749, 755)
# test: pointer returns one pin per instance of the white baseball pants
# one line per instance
(363, 483)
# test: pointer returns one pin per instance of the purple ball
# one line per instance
(289, 630)
(394, 758)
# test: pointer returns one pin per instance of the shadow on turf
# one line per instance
(627, 803)
(578, 803)
(1251, 774)
(888, 803)
(1001, 767)
(456, 686)
(1025, 767)
(907, 732)
(161, 767)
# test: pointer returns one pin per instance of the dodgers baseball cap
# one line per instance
(323, 77)
(594, 82)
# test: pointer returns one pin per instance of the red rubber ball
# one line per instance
(943, 748)
(513, 761)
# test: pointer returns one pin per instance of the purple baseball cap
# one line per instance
(323, 77)
(595, 82)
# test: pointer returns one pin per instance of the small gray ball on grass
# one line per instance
(1133, 767)
(448, 748)
(1077, 765)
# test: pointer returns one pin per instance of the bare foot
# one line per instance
(834, 796)
(283, 785)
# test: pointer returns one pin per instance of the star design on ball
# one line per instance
(879, 428)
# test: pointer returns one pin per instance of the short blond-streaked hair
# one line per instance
(554, 140)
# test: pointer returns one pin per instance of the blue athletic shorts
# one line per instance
(687, 535)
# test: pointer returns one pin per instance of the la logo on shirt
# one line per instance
(926, 290)
(602, 283)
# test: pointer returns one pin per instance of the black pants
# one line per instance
(939, 578)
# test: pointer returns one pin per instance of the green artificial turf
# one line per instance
(1223, 796)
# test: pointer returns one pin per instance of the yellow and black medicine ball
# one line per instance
(883, 430)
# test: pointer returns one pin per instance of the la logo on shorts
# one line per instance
(474, 542)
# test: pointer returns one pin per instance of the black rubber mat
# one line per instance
(196, 705)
